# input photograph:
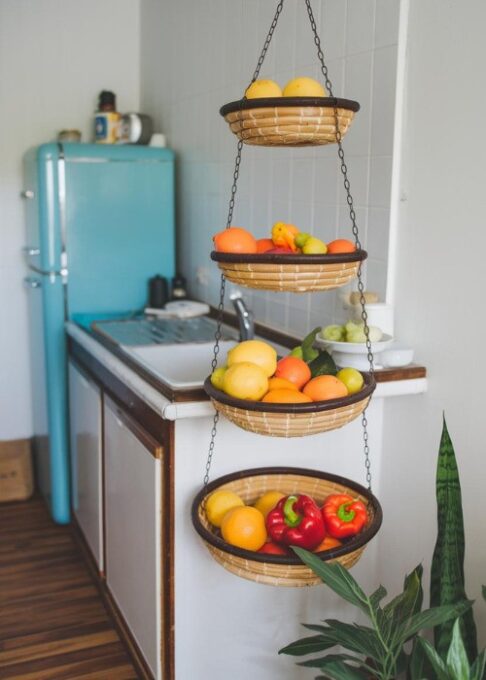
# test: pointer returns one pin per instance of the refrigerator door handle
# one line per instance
(32, 282)
(31, 251)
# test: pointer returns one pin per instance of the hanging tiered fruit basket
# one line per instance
(289, 121)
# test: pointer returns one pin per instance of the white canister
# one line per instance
(380, 314)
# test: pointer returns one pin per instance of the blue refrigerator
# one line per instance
(100, 223)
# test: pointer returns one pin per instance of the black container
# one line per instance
(179, 287)
(158, 292)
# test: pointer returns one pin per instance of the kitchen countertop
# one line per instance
(194, 403)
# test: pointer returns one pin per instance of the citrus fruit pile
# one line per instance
(286, 239)
(297, 87)
(276, 521)
(253, 372)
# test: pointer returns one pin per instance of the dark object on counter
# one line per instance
(69, 136)
(135, 128)
(158, 292)
(106, 119)
(179, 287)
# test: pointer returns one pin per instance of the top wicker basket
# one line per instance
(289, 121)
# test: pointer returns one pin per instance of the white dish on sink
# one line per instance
(181, 366)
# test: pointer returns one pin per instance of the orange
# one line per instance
(284, 396)
(341, 245)
(325, 387)
(244, 527)
(264, 244)
(235, 240)
(328, 543)
(293, 369)
(281, 384)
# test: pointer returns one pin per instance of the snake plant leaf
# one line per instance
(457, 661)
(340, 670)
(308, 645)
(447, 572)
(478, 667)
(438, 666)
(337, 578)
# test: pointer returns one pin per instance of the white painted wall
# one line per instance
(439, 288)
(198, 55)
(55, 57)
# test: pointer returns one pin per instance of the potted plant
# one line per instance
(391, 645)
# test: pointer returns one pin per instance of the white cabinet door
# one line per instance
(133, 526)
(86, 459)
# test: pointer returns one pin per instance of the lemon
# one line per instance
(268, 501)
(314, 246)
(351, 378)
(304, 87)
(245, 381)
(263, 88)
(256, 352)
(219, 503)
(217, 377)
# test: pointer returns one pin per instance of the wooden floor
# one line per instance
(53, 624)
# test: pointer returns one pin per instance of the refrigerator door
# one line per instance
(119, 215)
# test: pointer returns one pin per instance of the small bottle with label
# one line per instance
(179, 287)
(106, 119)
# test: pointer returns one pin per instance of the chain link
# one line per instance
(355, 230)
(266, 44)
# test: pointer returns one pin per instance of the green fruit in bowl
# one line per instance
(301, 239)
(297, 352)
(351, 378)
(314, 246)
(334, 333)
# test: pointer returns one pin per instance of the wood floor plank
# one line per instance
(53, 624)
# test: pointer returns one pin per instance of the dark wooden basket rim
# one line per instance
(350, 546)
(298, 258)
(306, 407)
(298, 102)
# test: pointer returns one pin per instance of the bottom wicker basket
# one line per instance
(283, 570)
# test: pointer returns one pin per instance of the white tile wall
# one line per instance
(197, 56)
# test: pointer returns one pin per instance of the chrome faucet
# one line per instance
(245, 317)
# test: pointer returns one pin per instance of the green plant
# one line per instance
(377, 649)
(447, 571)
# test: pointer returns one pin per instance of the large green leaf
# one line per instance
(359, 639)
(432, 617)
(377, 596)
(404, 606)
(308, 645)
(457, 661)
(478, 667)
(447, 573)
(321, 661)
(438, 666)
(340, 670)
(337, 578)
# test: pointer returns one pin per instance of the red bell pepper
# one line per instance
(343, 515)
(296, 520)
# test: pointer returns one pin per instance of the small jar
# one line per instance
(106, 119)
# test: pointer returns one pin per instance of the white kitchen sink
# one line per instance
(182, 366)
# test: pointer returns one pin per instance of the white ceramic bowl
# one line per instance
(354, 347)
(396, 356)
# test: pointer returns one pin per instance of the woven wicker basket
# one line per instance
(289, 121)
(290, 273)
(283, 570)
(291, 420)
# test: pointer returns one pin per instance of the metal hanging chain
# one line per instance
(222, 289)
(267, 42)
(352, 215)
